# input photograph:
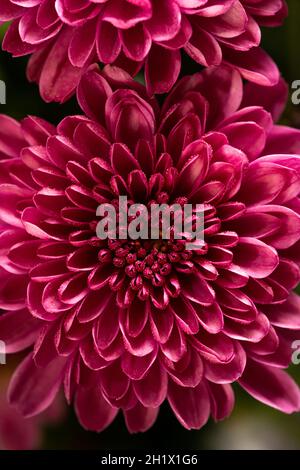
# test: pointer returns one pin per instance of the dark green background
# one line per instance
(252, 425)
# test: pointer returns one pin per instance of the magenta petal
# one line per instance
(136, 367)
(204, 48)
(210, 318)
(140, 418)
(111, 387)
(285, 315)
(10, 10)
(165, 21)
(93, 411)
(82, 44)
(92, 93)
(18, 329)
(162, 69)
(59, 77)
(11, 136)
(195, 288)
(228, 372)
(273, 99)
(283, 139)
(23, 392)
(151, 390)
(136, 42)
(196, 414)
(255, 65)
(161, 325)
(271, 386)
(221, 400)
(255, 257)
(188, 371)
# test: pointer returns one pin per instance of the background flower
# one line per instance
(65, 36)
(128, 325)
(19, 433)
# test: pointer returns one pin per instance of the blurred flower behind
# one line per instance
(19, 433)
(63, 39)
(253, 431)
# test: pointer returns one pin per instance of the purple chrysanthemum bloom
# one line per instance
(125, 325)
(65, 36)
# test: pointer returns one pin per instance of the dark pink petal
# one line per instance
(125, 15)
(140, 418)
(204, 48)
(136, 42)
(23, 392)
(10, 196)
(272, 99)
(11, 137)
(122, 160)
(91, 355)
(10, 11)
(221, 400)
(108, 42)
(285, 315)
(165, 20)
(93, 411)
(129, 118)
(59, 77)
(255, 257)
(214, 347)
(18, 329)
(195, 168)
(271, 386)
(246, 136)
(162, 69)
(210, 317)
(253, 332)
(255, 65)
(161, 324)
(175, 347)
(195, 288)
(13, 43)
(289, 230)
(114, 388)
(137, 367)
(92, 94)
(188, 371)
(283, 139)
(196, 414)
(151, 390)
(228, 372)
(132, 322)
(82, 44)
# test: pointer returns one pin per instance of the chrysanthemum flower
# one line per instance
(127, 325)
(65, 36)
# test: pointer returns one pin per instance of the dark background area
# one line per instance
(252, 425)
